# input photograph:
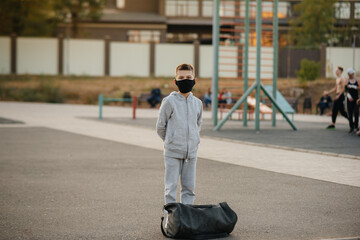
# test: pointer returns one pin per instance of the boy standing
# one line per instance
(339, 90)
(178, 125)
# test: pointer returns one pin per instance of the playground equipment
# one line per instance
(235, 29)
(101, 101)
(281, 101)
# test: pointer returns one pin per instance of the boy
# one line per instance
(339, 90)
(178, 125)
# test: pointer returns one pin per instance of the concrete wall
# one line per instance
(4, 55)
(86, 57)
(340, 56)
(37, 55)
(168, 56)
(129, 59)
(206, 61)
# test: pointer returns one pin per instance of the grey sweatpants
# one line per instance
(186, 170)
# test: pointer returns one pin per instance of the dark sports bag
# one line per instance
(198, 221)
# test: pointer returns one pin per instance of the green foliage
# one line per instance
(46, 91)
(314, 22)
(79, 10)
(26, 18)
(41, 17)
(309, 70)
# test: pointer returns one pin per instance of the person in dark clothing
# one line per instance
(325, 102)
(155, 97)
(352, 88)
(358, 105)
(339, 90)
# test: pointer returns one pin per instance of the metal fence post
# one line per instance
(258, 63)
(215, 77)
(101, 102)
(275, 58)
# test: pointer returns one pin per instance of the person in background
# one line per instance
(207, 98)
(155, 96)
(352, 89)
(339, 98)
(220, 97)
(227, 96)
(358, 105)
(325, 102)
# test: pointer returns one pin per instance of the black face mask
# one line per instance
(185, 85)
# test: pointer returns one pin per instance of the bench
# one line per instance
(225, 108)
(144, 97)
(101, 101)
(264, 109)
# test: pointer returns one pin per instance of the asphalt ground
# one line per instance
(309, 136)
(60, 185)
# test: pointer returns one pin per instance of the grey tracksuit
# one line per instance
(178, 126)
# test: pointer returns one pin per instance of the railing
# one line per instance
(102, 100)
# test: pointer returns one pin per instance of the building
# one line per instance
(186, 21)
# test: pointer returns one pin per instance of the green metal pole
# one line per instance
(215, 78)
(101, 102)
(275, 58)
(278, 107)
(258, 59)
(246, 58)
(237, 104)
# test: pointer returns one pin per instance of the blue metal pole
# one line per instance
(275, 58)
(246, 58)
(215, 78)
(258, 62)
(101, 102)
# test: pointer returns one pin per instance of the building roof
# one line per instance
(116, 16)
(189, 21)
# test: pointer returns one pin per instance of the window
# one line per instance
(207, 8)
(185, 8)
(143, 36)
(120, 3)
(181, 37)
(342, 10)
(357, 10)
(227, 8)
(267, 9)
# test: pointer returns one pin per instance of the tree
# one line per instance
(41, 17)
(314, 22)
(79, 10)
(26, 17)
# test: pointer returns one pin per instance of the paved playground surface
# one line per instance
(66, 175)
(312, 136)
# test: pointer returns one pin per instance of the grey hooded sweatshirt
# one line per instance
(179, 124)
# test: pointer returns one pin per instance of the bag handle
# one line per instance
(162, 229)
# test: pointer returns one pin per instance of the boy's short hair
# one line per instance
(340, 68)
(184, 66)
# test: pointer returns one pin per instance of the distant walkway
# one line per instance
(75, 119)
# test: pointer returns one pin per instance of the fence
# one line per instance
(53, 56)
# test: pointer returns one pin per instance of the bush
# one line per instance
(309, 70)
(46, 91)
